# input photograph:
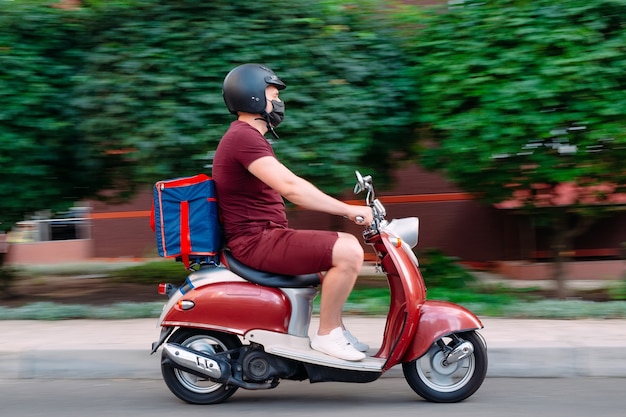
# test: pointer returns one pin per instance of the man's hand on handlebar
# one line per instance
(361, 215)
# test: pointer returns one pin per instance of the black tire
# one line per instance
(192, 388)
(436, 381)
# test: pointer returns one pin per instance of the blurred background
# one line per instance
(501, 124)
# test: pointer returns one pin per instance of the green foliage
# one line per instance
(365, 302)
(8, 275)
(441, 271)
(482, 300)
(120, 93)
(617, 291)
(55, 311)
(45, 163)
(565, 310)
(519, 93)
(152, 273)
(152, 82)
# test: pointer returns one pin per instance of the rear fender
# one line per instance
(439, 319)
(217, 299)
(205, 276)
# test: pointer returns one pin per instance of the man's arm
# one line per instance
(301, 192)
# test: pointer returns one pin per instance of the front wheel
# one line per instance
(192, 388)
(434, 379)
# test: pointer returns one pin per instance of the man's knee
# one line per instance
(348, 253)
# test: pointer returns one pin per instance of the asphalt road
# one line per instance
(497, 397)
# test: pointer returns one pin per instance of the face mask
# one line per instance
(277, 114)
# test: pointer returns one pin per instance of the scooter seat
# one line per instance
(270, 279)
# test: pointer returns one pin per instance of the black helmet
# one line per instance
(244, 88)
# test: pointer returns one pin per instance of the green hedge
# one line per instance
(45, 163)
(520, 93)
(125, 92)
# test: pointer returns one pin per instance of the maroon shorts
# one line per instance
(286, 251)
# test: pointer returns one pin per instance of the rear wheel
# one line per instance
(434, 379)
(193, 388)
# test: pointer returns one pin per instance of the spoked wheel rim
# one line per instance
(194, 383)
(441, 376)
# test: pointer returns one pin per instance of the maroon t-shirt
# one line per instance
(247, 204)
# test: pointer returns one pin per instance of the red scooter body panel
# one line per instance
(438, 319)
(407, 295)
(233, 306)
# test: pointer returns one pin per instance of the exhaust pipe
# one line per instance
(203, 365)
(196, 362)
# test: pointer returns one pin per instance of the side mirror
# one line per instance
(360, 184)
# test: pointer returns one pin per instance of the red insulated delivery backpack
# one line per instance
(185, 219)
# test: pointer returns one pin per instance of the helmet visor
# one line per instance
(275, 81)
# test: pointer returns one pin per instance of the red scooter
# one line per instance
(229, 326)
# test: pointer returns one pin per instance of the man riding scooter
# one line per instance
(251, 184)
(241, 319)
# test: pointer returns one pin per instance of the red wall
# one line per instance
(451, 221)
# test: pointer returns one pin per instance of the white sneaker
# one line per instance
(335, 344)
(360, 346)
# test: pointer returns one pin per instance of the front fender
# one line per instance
(439, 319)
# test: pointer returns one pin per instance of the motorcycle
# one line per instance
(229, 326)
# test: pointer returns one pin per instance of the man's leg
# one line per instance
(336, 287)
(339, 281)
